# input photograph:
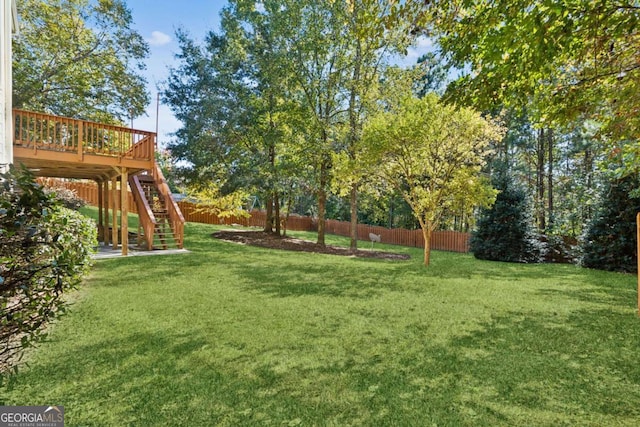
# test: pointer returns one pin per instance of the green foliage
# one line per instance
(237, 108)
(210, 200)
(79, 58)
(167, 166)
(432, 154)
(44, 252)
(434, 76)
(609, 242)
(283, 85)
(505, 231)
(573, 164)
(560, 59)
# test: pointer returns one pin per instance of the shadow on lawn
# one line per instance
(159, 378)
(599, 293)
(584, 364)
(515, 370)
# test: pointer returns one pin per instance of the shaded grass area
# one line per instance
(237, 335)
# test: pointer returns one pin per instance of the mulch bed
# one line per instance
(269, 240)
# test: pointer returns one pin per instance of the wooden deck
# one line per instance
(62, 147)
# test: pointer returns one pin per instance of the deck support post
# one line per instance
(105, 208)
(114, 211)
(100, 219)
(124, 210)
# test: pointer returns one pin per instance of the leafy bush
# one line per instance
(67, 197)
(609, 242)
(505, 232)
(44, 252)
(560, 249)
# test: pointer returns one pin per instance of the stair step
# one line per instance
(163, 234)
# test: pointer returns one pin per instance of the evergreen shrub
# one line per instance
(609, 241)
(505, 231)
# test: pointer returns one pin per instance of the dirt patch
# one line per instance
(268, 240)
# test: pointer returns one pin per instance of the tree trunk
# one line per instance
(286, 218)
(268, 223)
(540, 202)
(426, 234)
(276, 214)
(391, 212)
(353, 136)
(322, 199)
(353, 227)
(588, 167)
(550, 178)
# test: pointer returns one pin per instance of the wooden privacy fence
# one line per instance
(452, 241)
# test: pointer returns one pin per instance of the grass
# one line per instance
(233, 335)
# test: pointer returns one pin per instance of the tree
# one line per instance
(609, 242)
(434, 77)
(337, 51)
(238, 102)
(317, 61)
(562, 59)
(204, 93)
(210, 200)
(505, 231)
(560, 177)
(375, 29)
(432, 154)
(79, 58)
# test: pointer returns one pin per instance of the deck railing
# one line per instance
(47, 132)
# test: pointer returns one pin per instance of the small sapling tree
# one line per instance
(432, 154)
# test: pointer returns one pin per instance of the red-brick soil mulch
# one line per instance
(270, 240)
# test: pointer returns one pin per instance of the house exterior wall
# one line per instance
(8, 26)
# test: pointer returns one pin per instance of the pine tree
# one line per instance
(609, 243)
(505, 232)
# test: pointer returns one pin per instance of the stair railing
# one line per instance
(142, 149)
(145, 213)
(173, 210)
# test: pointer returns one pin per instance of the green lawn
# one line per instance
(233, 335)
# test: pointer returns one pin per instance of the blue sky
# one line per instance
(157, 21)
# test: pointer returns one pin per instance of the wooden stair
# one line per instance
(160, 229)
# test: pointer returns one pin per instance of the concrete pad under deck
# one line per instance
(107, 252)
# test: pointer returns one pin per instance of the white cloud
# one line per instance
(423, 45)
(158, 38)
